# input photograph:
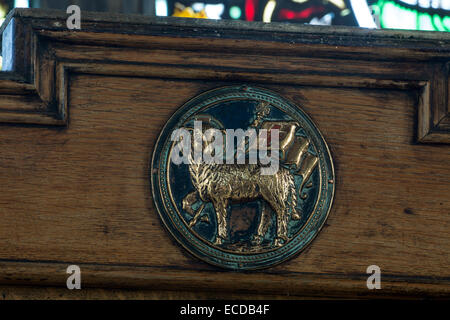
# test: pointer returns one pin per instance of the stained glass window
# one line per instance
(414, 14)
(393, 14)
(324, 12)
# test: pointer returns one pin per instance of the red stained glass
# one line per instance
(250, 9)
(304, 14)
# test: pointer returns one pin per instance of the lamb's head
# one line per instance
(206, 139)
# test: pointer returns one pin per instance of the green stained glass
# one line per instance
(446, 23)
(437, 22)
(425, 22)
(235, 12)
(395, 16)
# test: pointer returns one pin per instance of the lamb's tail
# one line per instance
(296, 214)
(287, 188)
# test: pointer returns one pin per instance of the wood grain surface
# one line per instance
(77, 190)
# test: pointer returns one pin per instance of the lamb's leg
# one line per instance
(264, 224)
(280, 210)
(220, 205)
(282, 223)
(189, 200)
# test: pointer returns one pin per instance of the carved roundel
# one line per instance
(242, 178)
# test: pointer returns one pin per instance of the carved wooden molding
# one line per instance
(40, 54)
(434, 108)
(47, 273)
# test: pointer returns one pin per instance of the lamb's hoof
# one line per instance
(279, 242)
(257, 240)
(219, 241)
(188, 209)
(296, 216)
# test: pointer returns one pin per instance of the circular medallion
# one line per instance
(242, 178)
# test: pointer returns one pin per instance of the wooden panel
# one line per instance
(77, 139)
(84, 196)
